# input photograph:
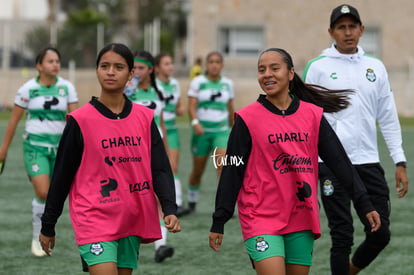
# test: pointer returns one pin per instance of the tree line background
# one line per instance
(123, 20)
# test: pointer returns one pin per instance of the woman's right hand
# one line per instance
(198, 129)
(172, 223)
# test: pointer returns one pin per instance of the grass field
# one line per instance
(192, 253)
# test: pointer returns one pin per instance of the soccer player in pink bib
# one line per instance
(276, 141)
(112, 162)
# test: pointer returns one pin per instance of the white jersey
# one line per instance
(171, 92)
(372, 102)
(46, 109)
(212, 98)
(149, 98)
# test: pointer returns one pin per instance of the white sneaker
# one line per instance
(37, 249)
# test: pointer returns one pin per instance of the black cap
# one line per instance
(343, 10)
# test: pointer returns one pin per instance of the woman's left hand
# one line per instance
(47, 243)
(172, 223)
(374, 220)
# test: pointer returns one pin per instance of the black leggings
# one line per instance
(337, 207)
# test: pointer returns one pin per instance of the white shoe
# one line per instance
(37, 249)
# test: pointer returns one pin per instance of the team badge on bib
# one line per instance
(371, 75)
(96, 249)
(328, 188)
(261, 245)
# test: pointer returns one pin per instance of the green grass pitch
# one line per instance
(192, 253)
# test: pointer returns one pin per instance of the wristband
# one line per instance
(402, 163)
(194, 122)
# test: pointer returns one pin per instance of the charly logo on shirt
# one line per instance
(261, 244)
(96, 249)
(168, 98)
(215, 95)
(371, 75)
(149, 104)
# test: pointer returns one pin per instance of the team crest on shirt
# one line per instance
(96, 249)
(35, 167)
(328, 188)
(371, 75)
(261, 244)
(62, 91)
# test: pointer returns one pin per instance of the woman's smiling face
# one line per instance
(273, 74)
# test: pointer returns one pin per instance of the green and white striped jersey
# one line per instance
(149, 98)
(212, 100)
(171, 92)
(46, 109)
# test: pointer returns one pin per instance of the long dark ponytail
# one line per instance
(150, 59)
(330, 100)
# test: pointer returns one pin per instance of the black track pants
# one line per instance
(337, 204)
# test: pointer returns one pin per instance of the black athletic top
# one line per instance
(330, 151)
(69, 157)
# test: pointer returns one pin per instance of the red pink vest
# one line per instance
(112, 193)
(279, 191)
